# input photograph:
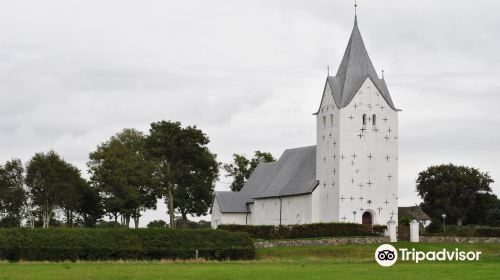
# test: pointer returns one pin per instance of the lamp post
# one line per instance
(444, 222)
(354, 213)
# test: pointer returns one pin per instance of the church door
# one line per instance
(367, 219)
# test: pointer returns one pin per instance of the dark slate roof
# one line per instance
(231, 202)
(354, 69)
(413, 212)
(293, 174)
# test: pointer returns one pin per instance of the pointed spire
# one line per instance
(355, 68)
(356, 65)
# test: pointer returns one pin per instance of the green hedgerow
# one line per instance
(58, 244)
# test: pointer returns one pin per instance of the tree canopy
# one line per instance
(453, 190)
(185, 169)
(52, 184)
(241, 168)
(122, 172)
(12, 193)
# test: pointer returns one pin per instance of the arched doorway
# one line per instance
(367, 219)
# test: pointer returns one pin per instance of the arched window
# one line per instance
(364, 119)
(374, 119)
(331, 120)
(324, 121)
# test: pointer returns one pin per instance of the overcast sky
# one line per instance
(248, 73)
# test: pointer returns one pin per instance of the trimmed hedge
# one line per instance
(488, 231)
(306, 231)
(58, 244)
(465, 231)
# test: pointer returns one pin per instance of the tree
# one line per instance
(12, 193)
(72, 185)
(195, 190)
(452, 190)
(185, 170)
(478, 213)
(91, 207)
(241, 168)
(493, 217)
(52, 184)
(122, 172)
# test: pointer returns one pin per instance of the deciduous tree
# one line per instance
(241, 168)
(122, 172)
(12, 193)
(185, 170)
(52, 184)
(452, 190)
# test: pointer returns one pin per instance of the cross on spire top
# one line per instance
(355, 8)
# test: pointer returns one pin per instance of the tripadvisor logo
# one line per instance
(387, 255)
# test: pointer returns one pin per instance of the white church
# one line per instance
(350, 175)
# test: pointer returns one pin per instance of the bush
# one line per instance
(110, 224)
(306, 231)
(404, 221)
(488, 231)
(180, 223)
(157, 224)
(435, 226)
(58, 244)
(493, 217)
(465, 231)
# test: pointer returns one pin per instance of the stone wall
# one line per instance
(458, 239)
(321, 242)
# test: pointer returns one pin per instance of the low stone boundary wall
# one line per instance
(458, 239)
(321, 242)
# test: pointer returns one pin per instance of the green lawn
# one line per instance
(318, 262)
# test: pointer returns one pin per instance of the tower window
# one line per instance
(324, 121)
(364, 119)
(331, 119)
(374, 119)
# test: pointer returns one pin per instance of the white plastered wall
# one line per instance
(294, 210)
(325, 196)
(368, 164)
(219, 218)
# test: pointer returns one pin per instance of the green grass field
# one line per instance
(319, 262)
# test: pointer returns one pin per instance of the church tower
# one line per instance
(357, 143)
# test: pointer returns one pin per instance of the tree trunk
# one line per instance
(127, 220)
(69, 221)
(45, 218)
(171, 207)
(31, 219)
(46, 215)
(184, 219)
(459, 221)
(136, 216)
